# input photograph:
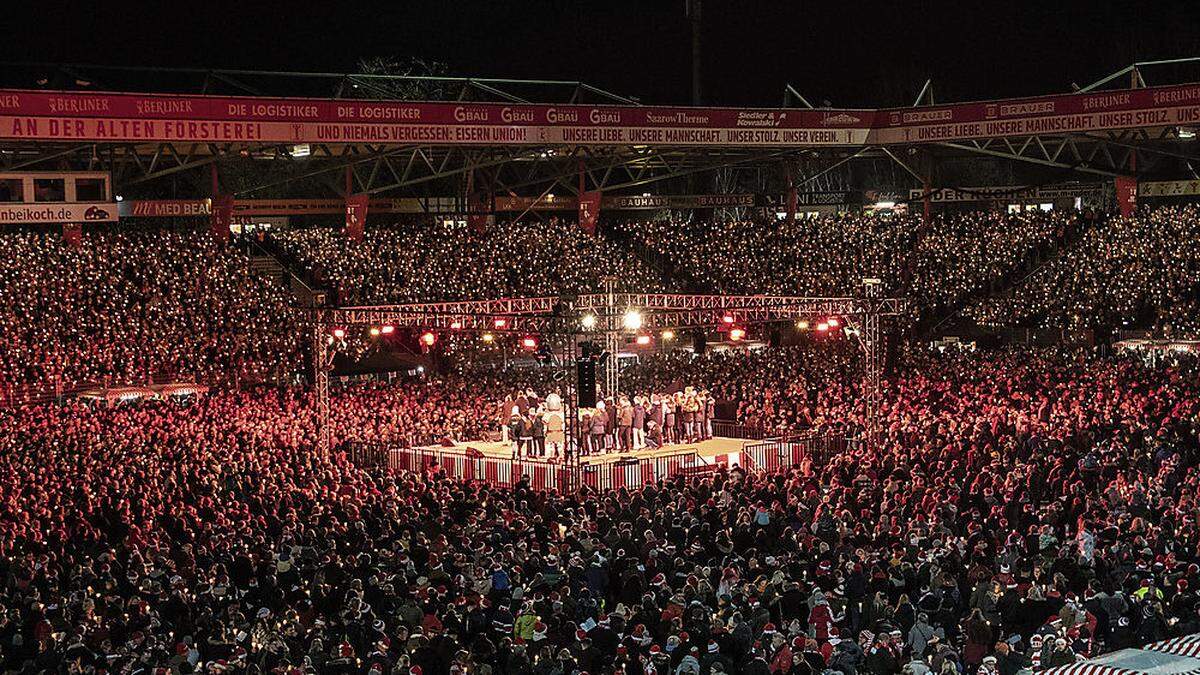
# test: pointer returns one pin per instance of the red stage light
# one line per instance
(374, 331)
(388, 330)
(428, 339)
(822, 326)
(833, 322)
(529, 342)
(643, 340)
(339, 333)
(737, 334)
(501, 323)
(728, 318)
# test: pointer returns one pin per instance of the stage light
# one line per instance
(588, 321)
(375, 331)
(488, 338)
(668, 335)
(428, 339)
(501, 323)
(737, 334)
(387, 330)
(822, 326)
(529, 342)
(801, 325)
(727, 319)
(643, 340)
(455, 325)
(339, 333)
(632, 319)
(833, 322)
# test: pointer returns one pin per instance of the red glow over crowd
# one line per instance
(1025, 507)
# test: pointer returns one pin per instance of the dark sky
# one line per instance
(849, 53)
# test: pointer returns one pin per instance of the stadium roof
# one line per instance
(526, 135)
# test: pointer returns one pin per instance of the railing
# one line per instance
(806, 451)
(635, 473)
(732, 429)
(539, 474)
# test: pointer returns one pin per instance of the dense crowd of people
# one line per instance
(1023, 509)
(1140, 271)
(953, 256)
(448, 260)
(128, 305)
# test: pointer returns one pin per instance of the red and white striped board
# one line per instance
(1188, 645)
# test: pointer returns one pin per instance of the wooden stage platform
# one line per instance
(713, 447)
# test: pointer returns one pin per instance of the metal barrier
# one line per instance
(463, 465)
(804, 451)
(538, 473)
(731, 429)
(634, 473)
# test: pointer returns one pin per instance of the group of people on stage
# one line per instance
(623, 424)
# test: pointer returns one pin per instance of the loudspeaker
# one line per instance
(585, 383)
(699, 343)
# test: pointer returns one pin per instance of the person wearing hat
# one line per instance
(1008, 660)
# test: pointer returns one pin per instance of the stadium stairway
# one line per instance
(270, 259)
(674, 277)
(1031, 263)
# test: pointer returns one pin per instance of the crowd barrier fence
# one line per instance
(805, 451)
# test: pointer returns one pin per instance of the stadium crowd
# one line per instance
(126, 306)
(952, 257)
(1024, 509)
(450, 261)
(1126, 272)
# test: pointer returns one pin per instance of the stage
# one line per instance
(716, 449)
(493, 462)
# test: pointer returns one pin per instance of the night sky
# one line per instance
(847, 53)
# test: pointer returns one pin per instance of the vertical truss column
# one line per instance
(612, 338)
(872, 344)
(570, 391)
(612, 345)
(322, 360)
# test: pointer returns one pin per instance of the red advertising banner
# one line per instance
(222, 217)
(589, 210)
(72, 234)
(356, 216)
(57, 212)
(1149, 107)
(478, 211)
(653, 202)
(110, 117)
(1127, 189)
(164, 208)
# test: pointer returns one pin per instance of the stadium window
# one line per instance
(1014, 208)
(89, 190)
(12, 190)
(1046, 207)
(49, 190)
